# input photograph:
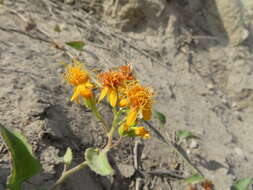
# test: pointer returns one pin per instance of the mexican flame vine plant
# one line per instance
(131, 103)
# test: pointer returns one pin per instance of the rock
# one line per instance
(240, 153)
(210, 86)
(239, 69)
(194, 144)
(153, 8)
(126, 170)
(248, 14)
(134, 12)
(49, 158)
(226, 17)
(144, 156)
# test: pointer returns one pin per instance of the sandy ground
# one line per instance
(202, 84)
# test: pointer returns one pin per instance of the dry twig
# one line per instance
(136, 163)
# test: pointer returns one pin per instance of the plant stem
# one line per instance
(66, 174)
(117, 142)
(113, 128)
(100, 118)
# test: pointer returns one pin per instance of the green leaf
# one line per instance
(24, 164)
(184, 134)
(98, 162)
(161, 118)
(78, 45)
(242, 184)
(68, 157)
(195, 178)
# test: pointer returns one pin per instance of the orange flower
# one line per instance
(141, 132)
(75, 74)
(125, 130)
(140, 101)
(207, 185)
(78, 77)
(112, 81)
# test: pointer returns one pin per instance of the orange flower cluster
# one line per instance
(124, 90)
(78, 77)
(139, 99)
(113, 82)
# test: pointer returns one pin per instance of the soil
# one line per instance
(197, 57)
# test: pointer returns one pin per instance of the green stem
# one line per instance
(100, 118)
(66, 174)
(110, 134)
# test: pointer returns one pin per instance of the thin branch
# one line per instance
(162, 172)
(66, 174)
(25, 34)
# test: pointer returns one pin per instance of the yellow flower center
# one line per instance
(75, 75)
(139, 97)
(111, 79)
(140, 101)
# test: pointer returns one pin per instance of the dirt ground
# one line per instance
(197, 57)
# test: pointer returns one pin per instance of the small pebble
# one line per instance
(210, 86)
(126, 170)
(143, 156)
(194, 144)
(60, 70)
(240, 153)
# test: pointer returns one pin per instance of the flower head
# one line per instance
(125, 130)
(141, 132)
(78, 77)
(75, 74)
(111, 81)
(140, 100)
(114, 83)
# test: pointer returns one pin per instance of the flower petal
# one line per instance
(76, 93)
(131, 117)
(113, 97)
(103, 93)
(124, 102)
(88, 84)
